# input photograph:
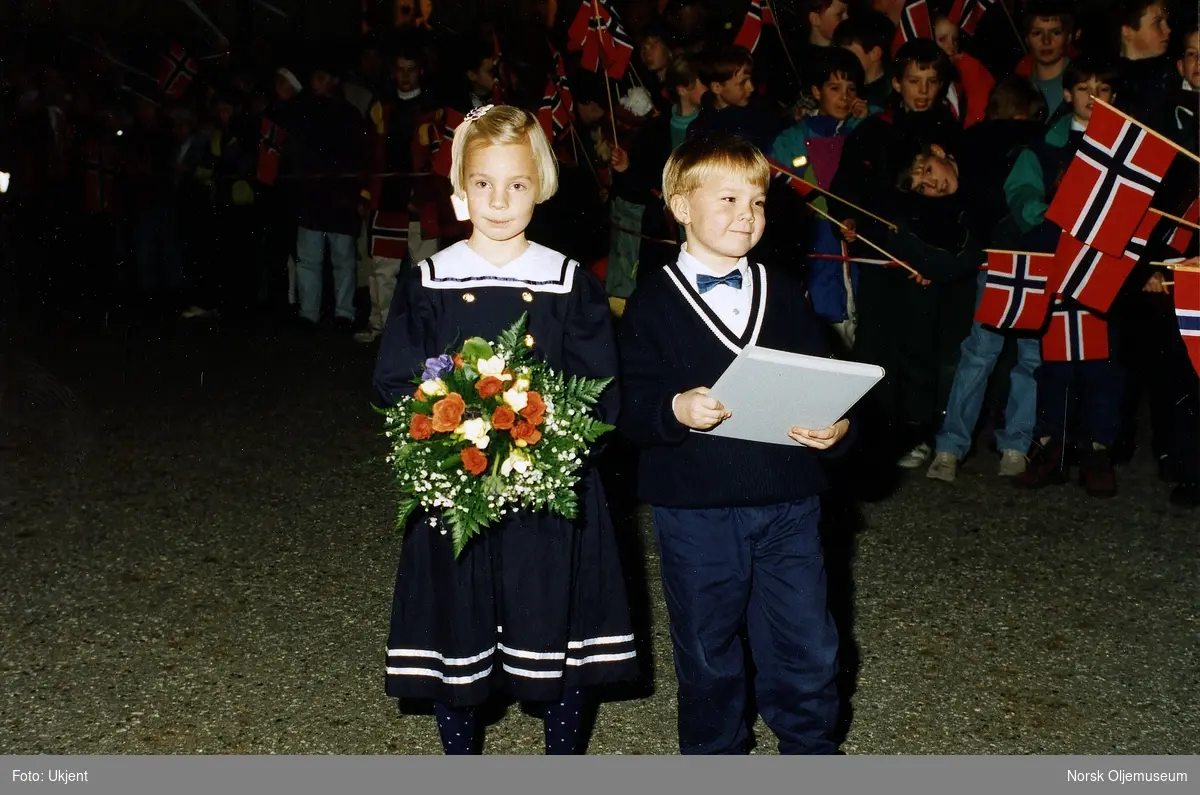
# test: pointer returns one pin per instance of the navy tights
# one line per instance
(562, 724)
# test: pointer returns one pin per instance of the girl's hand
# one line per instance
(619, 160)
(1156, 284)
(850, 230)
(919, 279)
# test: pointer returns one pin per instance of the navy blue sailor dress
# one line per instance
(536, 603)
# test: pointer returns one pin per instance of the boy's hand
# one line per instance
(697, 410)
(619, 160)
(850, 230)
(1156, 284)
(859, 109)
(919, 279)
(822, 439)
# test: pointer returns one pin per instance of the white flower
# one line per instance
(521, 384)
(516, 399)
(637, 101)
(473, 431)
(434, 387)
(494, 367)
(516, 462)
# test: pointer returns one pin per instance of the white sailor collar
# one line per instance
(538, 269)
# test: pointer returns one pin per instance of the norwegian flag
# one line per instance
(1092, 277)
(563, 83)
(803, 187)
(1109, 184)
(1180, 237)
(598, 32)
(757, 15)
(552, 114)
(967, 13)
(1015, 294)
(177, 71)
(915, 23)
(388, 234)
(1074, 335)
(100, 171)
(1187, 312)
(271, 138)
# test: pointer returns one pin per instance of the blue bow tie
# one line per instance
(706, 283)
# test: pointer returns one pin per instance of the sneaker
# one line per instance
(1012, 463)
(367, 336)
(1096, 474)
(943, 468)
(916, 457)
(1047, 466)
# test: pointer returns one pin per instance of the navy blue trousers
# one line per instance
(1094, 389)
(761, 570)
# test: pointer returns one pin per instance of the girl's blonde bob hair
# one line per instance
(496, 125)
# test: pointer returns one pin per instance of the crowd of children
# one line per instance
(857, 157)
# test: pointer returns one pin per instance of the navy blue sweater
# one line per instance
(667, 348)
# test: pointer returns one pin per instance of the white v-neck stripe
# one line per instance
(759, 307)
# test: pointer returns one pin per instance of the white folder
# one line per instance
(770, 392)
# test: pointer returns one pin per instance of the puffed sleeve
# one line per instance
(409, 338)
(589, 342)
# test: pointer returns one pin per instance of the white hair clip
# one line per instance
(478, 112)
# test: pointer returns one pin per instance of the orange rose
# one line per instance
(420, 396)
(447, 412)
(535, 408)
(420, 427)
(474, 461)
(458, 361)
(503, 418)
(524, 432)
(489, 386)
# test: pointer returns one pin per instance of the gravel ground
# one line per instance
(199, 559)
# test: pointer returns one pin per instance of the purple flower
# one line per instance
(437, 367)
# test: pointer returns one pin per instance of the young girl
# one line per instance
(535, 607)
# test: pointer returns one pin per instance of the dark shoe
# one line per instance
(343, 325)
(304, 324)
(1186, 495)
(1166, 472)
(1047, 467)
(1096, 474)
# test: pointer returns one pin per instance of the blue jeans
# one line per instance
(762, 570)
(976, 360)
(310, 259)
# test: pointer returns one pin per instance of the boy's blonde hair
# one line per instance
(498, 125)
(696, 160)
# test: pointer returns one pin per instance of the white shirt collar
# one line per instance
(1078, 126)
(693, 267)
(1188, 86)
(416, 92)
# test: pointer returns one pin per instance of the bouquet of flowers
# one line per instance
(491, 431)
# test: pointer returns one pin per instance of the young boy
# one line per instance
(823, 18)
(637, 180)
(1096, 385)
(729, 75)
(868, 34)
(1049, 28)
(1185, 99)
(812, 147)
(1147, 72)
(736, 521)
